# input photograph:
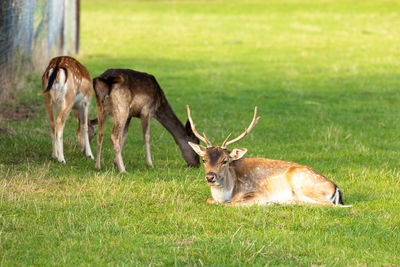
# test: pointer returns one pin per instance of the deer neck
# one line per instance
(166, 116)
(223, 192)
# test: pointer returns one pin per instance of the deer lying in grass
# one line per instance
(123, 94)
(67, 85)
(246, 181)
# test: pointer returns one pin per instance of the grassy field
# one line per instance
(325, 76)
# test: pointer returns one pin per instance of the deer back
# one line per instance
(138, 89)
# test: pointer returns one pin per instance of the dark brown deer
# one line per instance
(123, 94)
(246, 181)
(67, 85)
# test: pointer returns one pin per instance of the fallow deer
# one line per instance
(67, 85)
(125, 93)
(245, 181)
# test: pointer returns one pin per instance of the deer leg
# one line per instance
(101, 118)
(247, 199)
(79, 130)
(116, 140)
(145, 119)
(50, 111)
(313, 198)
(125, 134)
(210, 200)
(60, 123)
(84, 113)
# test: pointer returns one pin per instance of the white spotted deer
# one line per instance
(125, 93)
(67, 86)
(245, 181)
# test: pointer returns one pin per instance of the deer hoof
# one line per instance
(149, 163)
(211, 201)
(120, 167)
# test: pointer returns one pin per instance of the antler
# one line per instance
(247, 131)
(204, 139)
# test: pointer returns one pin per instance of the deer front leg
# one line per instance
(145, 119)
(116, 140)
(212, 201)
(246, 199)
(101, 118)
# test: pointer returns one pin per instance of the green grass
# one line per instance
(325, 76)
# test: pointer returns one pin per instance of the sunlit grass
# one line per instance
(325, 77)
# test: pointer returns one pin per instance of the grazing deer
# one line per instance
(67, 85)
(123, 94)
(247, 181)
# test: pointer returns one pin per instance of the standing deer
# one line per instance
(123, 94)
(246, 181)
(67, 85)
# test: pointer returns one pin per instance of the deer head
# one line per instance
(91, 130)
(216, 159)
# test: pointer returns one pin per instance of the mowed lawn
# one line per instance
(325, 76)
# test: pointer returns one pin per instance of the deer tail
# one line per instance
(52, 78)
(337, 198)
(113, 79)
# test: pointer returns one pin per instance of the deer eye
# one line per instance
(225, 162)
(204, 161)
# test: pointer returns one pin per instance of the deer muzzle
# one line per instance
(211, 177)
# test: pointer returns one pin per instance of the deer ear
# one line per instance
(199, 149)
(237, 153)
(188, 129)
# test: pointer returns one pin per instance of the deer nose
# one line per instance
(211, 177)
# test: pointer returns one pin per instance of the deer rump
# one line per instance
(58, 75)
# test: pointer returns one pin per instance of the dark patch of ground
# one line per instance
(3, 131)
(17, 113)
